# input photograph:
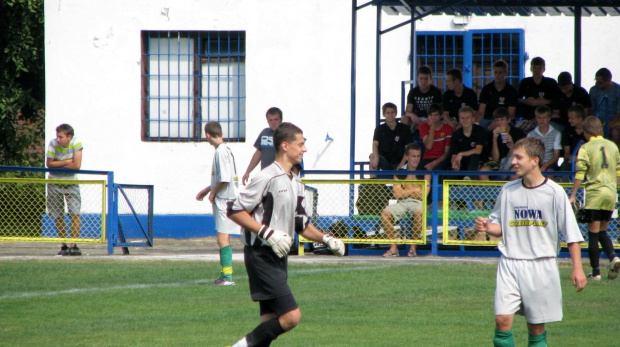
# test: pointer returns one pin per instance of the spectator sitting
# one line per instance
(456, 97)
(436, 137)
(549, 136)
(501, 143)
(609, 111)
(496, 94)
(572, 135)
(570, 95)
(389, 140)
(409, 203)
(467, 142)
(537, 90)
(420, 98)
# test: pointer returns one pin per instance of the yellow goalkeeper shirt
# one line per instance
(598, 160)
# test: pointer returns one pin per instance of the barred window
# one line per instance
(190, 78)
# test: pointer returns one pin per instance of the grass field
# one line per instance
(84, 302)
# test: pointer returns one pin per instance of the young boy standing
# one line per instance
(65, 152)
(270, 210)
(224, 188)
(528, 214)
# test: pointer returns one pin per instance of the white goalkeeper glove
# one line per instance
(334, 245)
(279, 241)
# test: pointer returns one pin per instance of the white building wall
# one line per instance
(298, 59)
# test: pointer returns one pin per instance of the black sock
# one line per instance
(594, 252)
(608, 246)
(264, 333)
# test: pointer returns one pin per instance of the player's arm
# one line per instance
(374, 157)
(216, 189)
(482, 225)
(578, 277)
(201, 194)
(253, 163)
(314, 234)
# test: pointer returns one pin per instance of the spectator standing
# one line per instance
(420, 98)
(572, 135)
(389, 140)
(599, 161)
(223, 190)
(551, 138)
(609, 111)
(467, 142)
(569, 95)
(65, 152)
(456, 97)
(409, 203)
(529, 214)
(436, 136)
(265, 153)
(496, 94)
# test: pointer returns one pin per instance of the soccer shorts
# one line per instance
(278, 306)
(56, 194)
(267, 273)
(529, 287)
(404, 207)
(222, 223)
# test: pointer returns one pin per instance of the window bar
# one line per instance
(228, 86)
(219, 73)
(198, 87)
(178, 97)
(158, 86)
(188, 97)
(208, 98)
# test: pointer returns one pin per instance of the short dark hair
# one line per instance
(456, 74)
(389, 105)
(274, 111)
(502, 64)
(435, 108)
(538, 61)
(501, 112)
(412, 146)
(604, 73)
(425, 70)
(565, 78)
(578, 110)
(543, 109)
(534, 147)
(65, 129)
(285, 132)
(213, 128)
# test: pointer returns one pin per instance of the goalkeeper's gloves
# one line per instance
(334, 245)
(279, 241)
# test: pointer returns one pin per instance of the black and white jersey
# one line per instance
(273, 198)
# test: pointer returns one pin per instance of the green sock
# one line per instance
(226, 263)
(503, 339)
(537, 340)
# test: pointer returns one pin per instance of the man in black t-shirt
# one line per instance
(570, 95)
(456, 97)
(389, 141)
(536, 90)
(420, 98)
(467, 142)
(572, 135)
(496, 94)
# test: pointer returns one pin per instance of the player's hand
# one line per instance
(279, 241)
(579, 280)
(481, 224)
(201, 194)
(334, 245)
(245, 178)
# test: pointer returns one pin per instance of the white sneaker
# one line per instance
(594, 278)
(614, 268)
(223, 282)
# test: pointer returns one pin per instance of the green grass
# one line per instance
(165, 303)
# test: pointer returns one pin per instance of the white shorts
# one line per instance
(530, 288)
(222, 223)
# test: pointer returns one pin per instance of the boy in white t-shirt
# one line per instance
(223, 189)
(529, 214)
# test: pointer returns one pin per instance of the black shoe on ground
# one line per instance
(74, 250)
(64, 250)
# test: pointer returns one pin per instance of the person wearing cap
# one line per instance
(570, 95)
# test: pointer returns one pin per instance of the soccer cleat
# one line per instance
(594, 278)
(223, 282)
(74, 250)
(614, 268)
(64, 250)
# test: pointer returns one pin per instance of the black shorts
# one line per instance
(279, 306)
(598, 215)
(267, 273)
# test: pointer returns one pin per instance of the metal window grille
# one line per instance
(474, 52)
(190, 78)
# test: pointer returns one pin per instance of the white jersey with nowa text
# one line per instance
(532, 219)
(273, 198)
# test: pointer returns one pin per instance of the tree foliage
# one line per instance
(22, 83)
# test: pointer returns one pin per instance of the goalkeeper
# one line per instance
(270, 210)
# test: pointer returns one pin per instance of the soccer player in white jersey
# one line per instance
(224, 188)
(599, 161)
(270, 210)
(529, 214)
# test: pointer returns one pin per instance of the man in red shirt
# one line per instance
(436, 137)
